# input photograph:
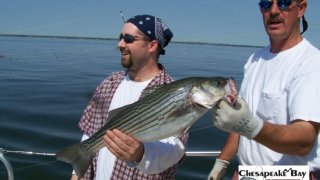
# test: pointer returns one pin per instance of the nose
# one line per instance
(274, 7)
(121, 44)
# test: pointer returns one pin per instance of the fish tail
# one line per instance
(79, 156)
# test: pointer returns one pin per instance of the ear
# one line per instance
(153, 46)
(302, 8)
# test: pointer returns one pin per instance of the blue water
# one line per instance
(45, 84)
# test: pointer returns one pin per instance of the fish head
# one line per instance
(211, 90)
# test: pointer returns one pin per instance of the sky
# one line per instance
(210, 21)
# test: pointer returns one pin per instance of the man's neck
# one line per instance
(144, 74)
(279, 45)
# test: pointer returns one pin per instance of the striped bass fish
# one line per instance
(162, 111)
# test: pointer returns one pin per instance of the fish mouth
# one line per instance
(202, 106)
(231, 94)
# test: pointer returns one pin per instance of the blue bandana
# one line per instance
(153, 28)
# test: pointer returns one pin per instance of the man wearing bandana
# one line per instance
(141, 42)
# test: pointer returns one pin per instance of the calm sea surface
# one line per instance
(45, 84)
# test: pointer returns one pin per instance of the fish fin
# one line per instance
(181, 133)
(78, 156)
(150, 90)
(187, 108)
(181, 110)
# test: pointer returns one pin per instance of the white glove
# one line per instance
(236, 118)
(218, 170)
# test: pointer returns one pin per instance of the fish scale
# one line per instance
(147, 114)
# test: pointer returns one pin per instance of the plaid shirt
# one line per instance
(94, 118)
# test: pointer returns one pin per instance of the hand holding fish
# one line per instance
(236, 118)
(123, 146)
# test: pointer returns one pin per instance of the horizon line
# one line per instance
(106, 38)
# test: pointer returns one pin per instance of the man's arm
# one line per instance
(297, 138)
(230, 148)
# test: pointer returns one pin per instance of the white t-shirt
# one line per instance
(128, 92)
(281, 88)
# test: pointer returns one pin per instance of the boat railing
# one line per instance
(8, 166)
(203, 153)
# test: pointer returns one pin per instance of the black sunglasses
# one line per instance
(282, 4)
(128, 38)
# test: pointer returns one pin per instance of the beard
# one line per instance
(126, 63)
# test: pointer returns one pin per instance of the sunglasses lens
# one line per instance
(282, 4)
(265, 4)
(127, 38)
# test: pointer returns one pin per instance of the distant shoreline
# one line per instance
(100, 38)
